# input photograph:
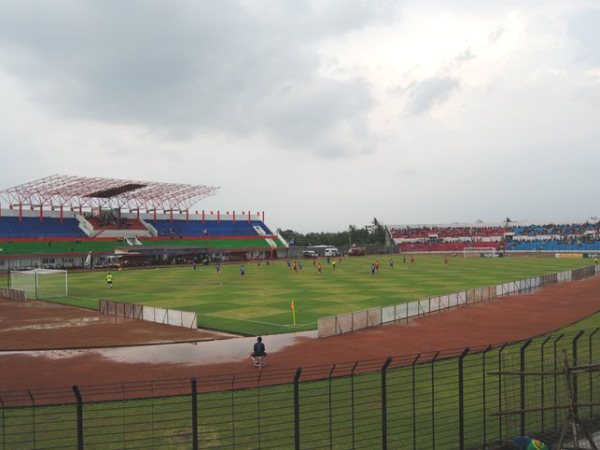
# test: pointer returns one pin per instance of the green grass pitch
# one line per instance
(259, 301)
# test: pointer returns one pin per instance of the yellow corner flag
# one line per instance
(293, 306)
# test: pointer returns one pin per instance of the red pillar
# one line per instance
(41, 214)
(171, 216)
(138, 214)
(233, 216)
(80, 210)
(218, 216)
(187, 215)
(263, 217)
(20, 212)
(154, 214)
(202, 216)
(249, 219)
(61, 213)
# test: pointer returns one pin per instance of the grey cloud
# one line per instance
(496, 35)
(425, 94)
(176, 67)
(301, 113)
(467, 55)
(584, 27)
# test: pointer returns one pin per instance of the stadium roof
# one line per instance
(95, 192)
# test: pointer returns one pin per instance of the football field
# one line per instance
(259, 301)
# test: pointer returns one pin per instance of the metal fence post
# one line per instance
(461, 400)
(123, 407)
(484, 392)
(258, 428)
(555, 343)
(352, 398)
(543, 379)
(522, 383)
(233, 410)
(414, 402)
(384, 368)
(79, 417)
(3, 424)
(330, 408)
(433, 399)
(591, 399)
(500, 389)
(194, 414)
(33, 419)
(297, 408)
(575, 339)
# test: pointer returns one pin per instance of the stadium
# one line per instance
(448, 336)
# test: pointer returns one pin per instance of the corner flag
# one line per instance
(293, 306)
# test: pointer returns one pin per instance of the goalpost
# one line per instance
(484, 252)
(40, 283)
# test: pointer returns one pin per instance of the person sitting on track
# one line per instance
(259, 354)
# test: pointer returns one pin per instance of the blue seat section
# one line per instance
(208, 228)
(562, 230)
(31, 227)
(554, 246)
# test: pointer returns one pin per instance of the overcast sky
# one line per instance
(322, 113)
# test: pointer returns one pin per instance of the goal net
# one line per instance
(483, 252)
(40, 283)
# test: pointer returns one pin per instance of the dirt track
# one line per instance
(41, 325)
(506, 319)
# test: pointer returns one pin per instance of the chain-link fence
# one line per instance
(352, 321)
(453, 399)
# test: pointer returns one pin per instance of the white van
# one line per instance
(331, 251)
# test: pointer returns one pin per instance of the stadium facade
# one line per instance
(67, 221)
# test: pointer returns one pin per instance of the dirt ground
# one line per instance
(36, 325)
(478, 325)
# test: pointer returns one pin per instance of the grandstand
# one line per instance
(66, 221)
(512, 237)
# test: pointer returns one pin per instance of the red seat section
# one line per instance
(115, 224)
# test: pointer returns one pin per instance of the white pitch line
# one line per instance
(275, 324)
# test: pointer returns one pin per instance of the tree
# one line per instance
(374, 233)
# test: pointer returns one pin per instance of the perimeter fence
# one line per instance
(133, 311)
(352, 321)
(453, 399)
(12, 294)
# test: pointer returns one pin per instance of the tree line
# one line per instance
(372, 234)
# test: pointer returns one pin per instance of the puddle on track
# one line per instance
(199, 353)
(59, 323)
